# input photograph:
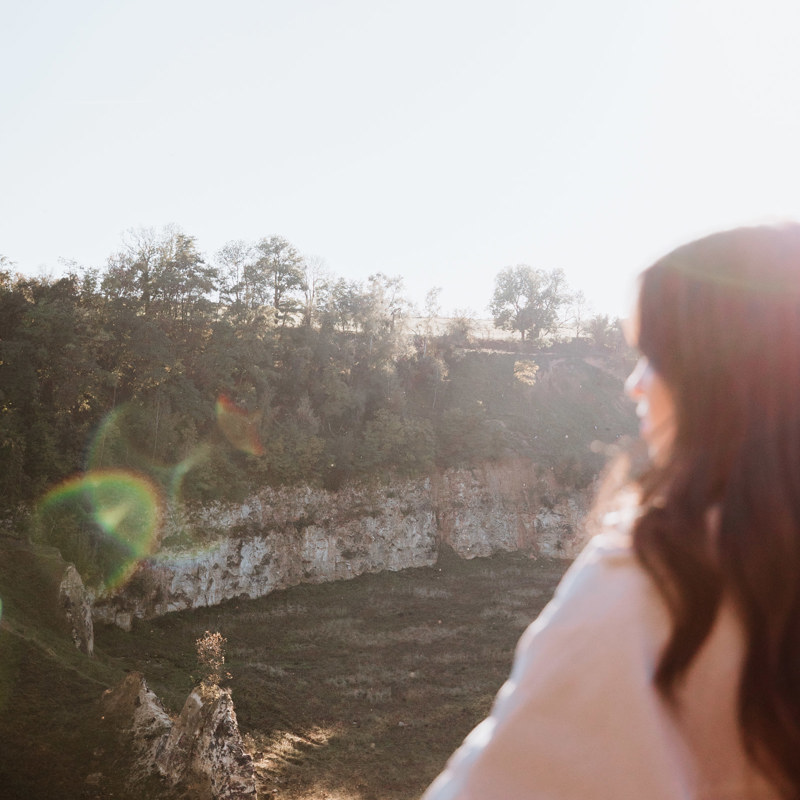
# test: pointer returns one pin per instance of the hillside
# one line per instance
(358, 678)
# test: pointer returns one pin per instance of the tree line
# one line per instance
(257, 366)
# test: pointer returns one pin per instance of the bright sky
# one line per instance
(440, 140)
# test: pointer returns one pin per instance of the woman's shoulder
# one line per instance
(607, 591)
(610, 551)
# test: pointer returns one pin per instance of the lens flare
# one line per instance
(118, 444)
(240, 427)
(125, 506)
(110, 517)
(173, 477)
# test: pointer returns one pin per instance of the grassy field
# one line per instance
(353, 690)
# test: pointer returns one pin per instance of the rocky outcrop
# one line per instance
(199, 755)
(76, 604)
(138, 718)
(204, 749)
(282, 537)
(43, 583)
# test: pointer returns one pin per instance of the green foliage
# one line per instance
(160, 272)
(461, 328)
(605, 332)
(394, 443)
(50, 382)
(275, 276)
(293, 453)
(462, 435)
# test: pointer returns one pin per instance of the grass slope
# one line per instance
(50, 732)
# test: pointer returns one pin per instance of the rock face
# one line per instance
(199, 755)
(139, 718)
(507, 507)
(76, 604)
(204, 749)
(282, 537)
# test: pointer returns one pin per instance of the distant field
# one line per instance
(354, 690)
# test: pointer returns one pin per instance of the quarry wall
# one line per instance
(286, 536)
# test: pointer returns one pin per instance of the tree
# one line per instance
(161, 272)
(6, 265)
(276, 275)
(183, 279)
(387, 301)
(461, 327)
(579, 313)
(368, 315)
(51, 386)
(341, 306)
(432, 310)
(233, 259)
(394, 443)
(316, 284)
(528, 300)
(605, 332)
(131, 270)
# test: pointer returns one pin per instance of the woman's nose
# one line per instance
(634, 385)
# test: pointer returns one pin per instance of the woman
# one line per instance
(668, 663)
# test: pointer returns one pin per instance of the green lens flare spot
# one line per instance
(125, 505)
(105, 519)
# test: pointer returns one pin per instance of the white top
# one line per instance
(579, 718)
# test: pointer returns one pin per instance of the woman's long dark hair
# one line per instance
(719, 319)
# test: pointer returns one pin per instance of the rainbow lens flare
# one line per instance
(125, 506)
(239, 427)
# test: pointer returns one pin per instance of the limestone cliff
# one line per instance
(508, 507)
(137, 717)
(282, 537)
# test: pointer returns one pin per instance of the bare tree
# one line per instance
(578, 312)
(317, 282)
